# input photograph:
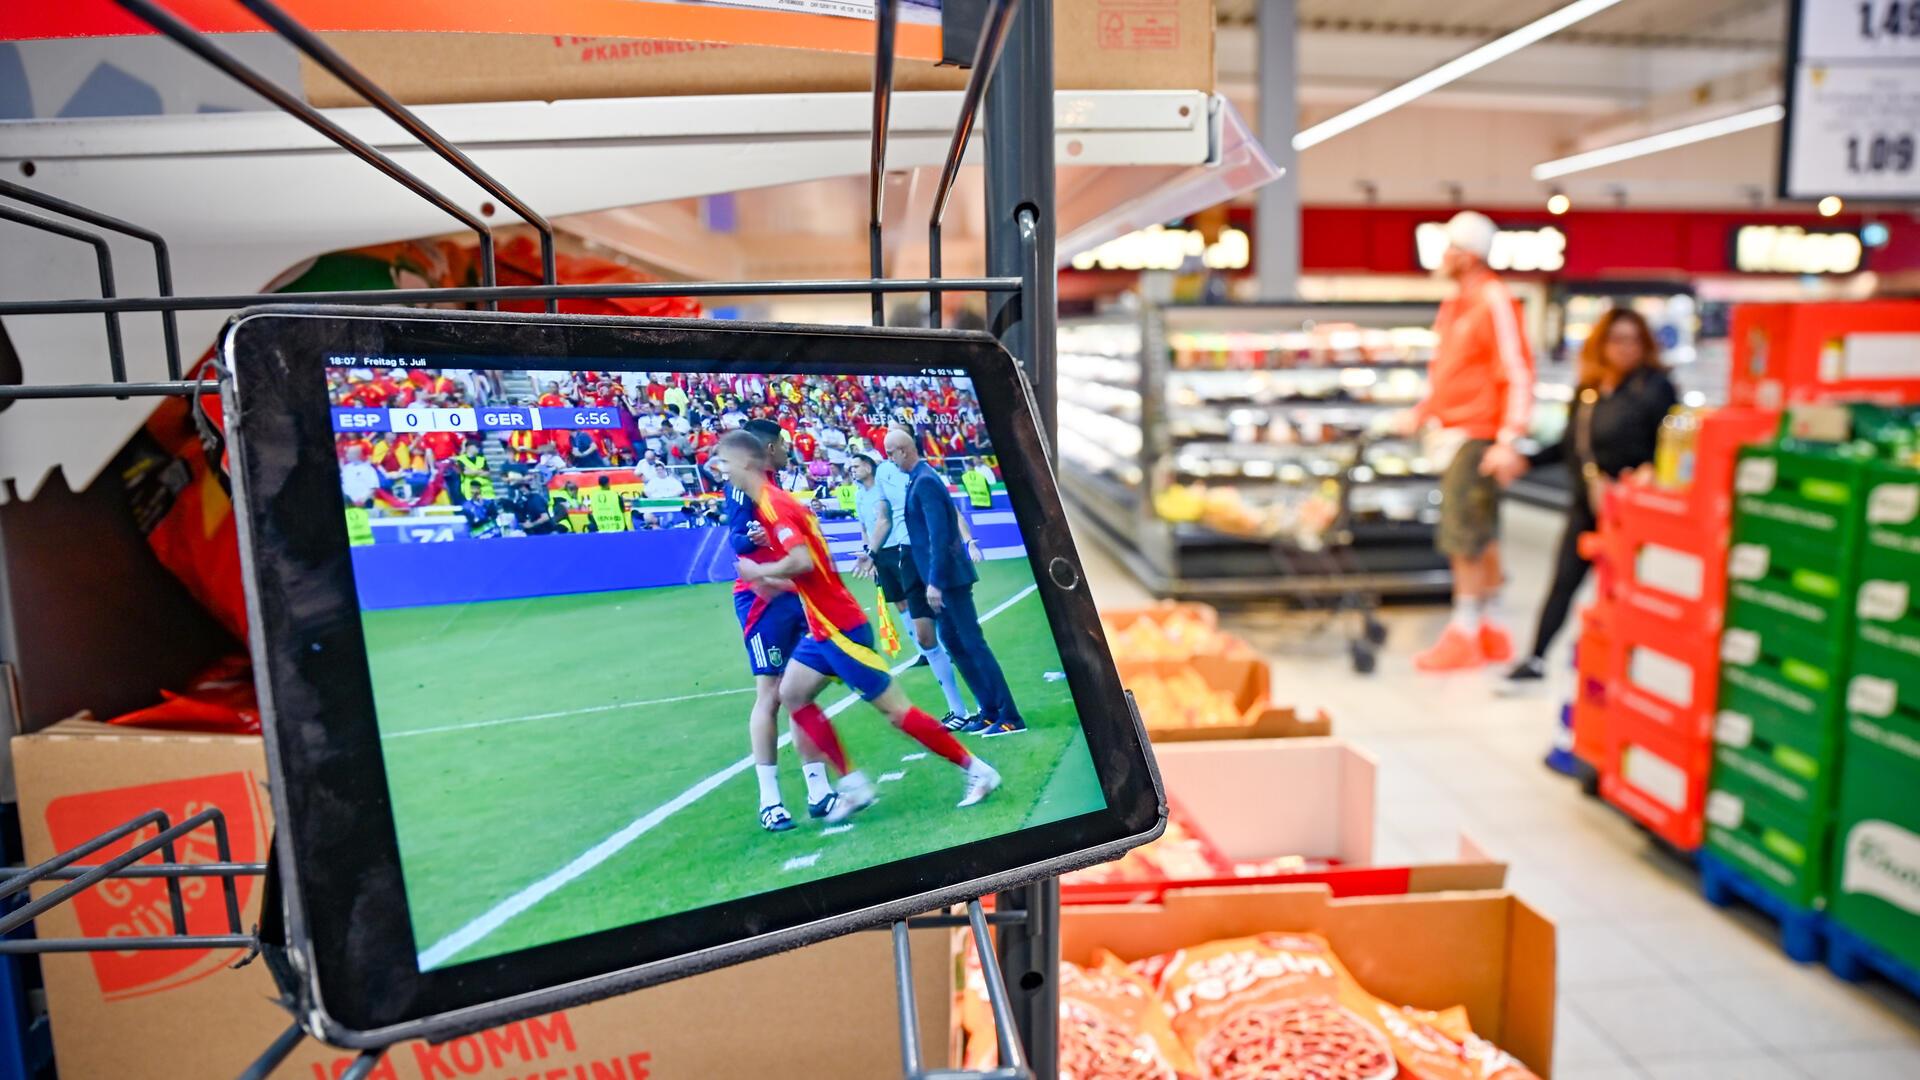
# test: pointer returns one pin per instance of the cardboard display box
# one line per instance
(138, 1014)
(1098, 45)
(1487, 951)
(1263, 799)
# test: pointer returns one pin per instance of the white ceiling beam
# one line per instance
(1551, 75)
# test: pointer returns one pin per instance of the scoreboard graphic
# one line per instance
(483, 418)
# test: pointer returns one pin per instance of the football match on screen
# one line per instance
(644, 642)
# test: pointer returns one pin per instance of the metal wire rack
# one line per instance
(1014, 38)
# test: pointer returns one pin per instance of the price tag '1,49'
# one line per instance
(1853, 105)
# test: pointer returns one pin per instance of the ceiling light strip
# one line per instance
(1665, 140)
(1460, 66)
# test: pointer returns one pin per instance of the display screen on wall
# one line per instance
(1853, 101)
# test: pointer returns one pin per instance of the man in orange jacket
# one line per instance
(1479, 398)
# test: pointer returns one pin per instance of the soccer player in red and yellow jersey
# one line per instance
(839, 642)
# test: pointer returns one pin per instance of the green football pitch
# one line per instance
(567, 764)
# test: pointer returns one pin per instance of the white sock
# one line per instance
(769, 784)
(818, 786)
(1466, 613)
(942, 666)
(1490, 608)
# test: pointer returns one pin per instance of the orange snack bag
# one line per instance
(1442, 1046)
(1182, 853)
(1112, 1027)
(1271, 1007)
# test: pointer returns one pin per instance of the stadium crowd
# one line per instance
(661, 449)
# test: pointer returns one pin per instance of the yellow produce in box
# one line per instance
(1178, 635)
(1183, 700)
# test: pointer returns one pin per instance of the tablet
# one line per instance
(590, 649)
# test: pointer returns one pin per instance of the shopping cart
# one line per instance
(1320, 548)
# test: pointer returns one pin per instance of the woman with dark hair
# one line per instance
(1622, 396)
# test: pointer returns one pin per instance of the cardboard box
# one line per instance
(1265, 799)
(120, 1015)
(1487, 951)
(1098, 45)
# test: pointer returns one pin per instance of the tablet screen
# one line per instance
(642, 642)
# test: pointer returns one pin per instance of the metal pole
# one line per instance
(465, 294)
(103, 257)
(909, 1012)
(993, 34)
(886, 20)
(1276, 232)
(1018, 145)
(1019, 167)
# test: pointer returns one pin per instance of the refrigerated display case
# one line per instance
(1240, 451)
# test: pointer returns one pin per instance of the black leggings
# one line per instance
(1569, 570)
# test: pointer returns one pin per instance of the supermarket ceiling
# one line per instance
(1687, 22)
(1633, 69)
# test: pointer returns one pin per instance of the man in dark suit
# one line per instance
(944, 558)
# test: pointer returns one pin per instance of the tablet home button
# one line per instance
(1063, 574)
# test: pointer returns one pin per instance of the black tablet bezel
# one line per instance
(348, 918)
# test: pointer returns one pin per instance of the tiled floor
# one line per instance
(1654, 983)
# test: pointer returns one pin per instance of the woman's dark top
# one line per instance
(1626, 424)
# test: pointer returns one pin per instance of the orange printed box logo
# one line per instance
(138, 907)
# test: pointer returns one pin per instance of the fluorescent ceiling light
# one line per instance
(1460, 66)
(1665, 140)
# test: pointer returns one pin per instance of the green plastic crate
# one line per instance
(1876, 847)
(1797, 761)
(1892, 510)
(1778, 669)
(1765, 590)
(1802, 504)
(1781, 846)
(1886, 603)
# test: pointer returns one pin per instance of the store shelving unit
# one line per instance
(1206, 443)
(269, 192)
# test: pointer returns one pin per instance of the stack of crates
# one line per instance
(1667, 552)
(1875, 887)
(1792, 574)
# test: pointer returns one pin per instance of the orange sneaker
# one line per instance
(1457, 650)
(1496, 644)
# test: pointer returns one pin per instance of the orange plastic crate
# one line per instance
(1657, 779)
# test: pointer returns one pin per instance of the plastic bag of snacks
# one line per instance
(1112, 1026)
(1442, 1046)
(1182, 853)
(1271, 1007)
(1282, 1007)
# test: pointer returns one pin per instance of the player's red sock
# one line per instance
(812, 719)
(934, 737)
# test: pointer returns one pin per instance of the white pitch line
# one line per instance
(801, 862)
(497, 916)
(836, 830)
(913, 757)
(564, 713)
(890, 777)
